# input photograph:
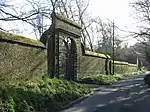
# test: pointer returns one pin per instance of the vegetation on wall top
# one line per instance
(101, 55)
(124, 63)
(121, 62)
(132, 64)
(18, 38)
(97, 54)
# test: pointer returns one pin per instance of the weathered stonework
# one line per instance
(65, 35)
(21, 59)
(85, 63)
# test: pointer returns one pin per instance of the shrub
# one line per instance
(47, 95)
(100, 79)
(106, 79)
(133, 73)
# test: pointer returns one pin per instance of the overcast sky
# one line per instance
(117, 10)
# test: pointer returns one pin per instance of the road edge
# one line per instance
(76, 101)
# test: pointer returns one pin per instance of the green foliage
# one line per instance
(106, 79)
(100, 79)
(133, 73)
(47, 95)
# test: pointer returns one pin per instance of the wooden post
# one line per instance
(113, 72)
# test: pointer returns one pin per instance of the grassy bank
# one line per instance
(47, 95)
(106, 79)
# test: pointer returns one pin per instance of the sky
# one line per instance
(117, 10)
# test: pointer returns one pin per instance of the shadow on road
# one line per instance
(130, 95)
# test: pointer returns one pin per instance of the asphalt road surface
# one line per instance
(131, 95)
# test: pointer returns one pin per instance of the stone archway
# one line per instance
(62, 48)
(72, 61)
(68, 58)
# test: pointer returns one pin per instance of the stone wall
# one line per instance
(24, 58)
(86, 62)
(91, 66)
(125, 68)
(92, 63)
(21, 58)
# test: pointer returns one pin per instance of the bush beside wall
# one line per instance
(47, 95)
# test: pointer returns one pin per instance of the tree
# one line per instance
(142, 9)
(38, 14)
(104, 33)
(142, 51)
(76, 10)
(13, 14)
(9, 13)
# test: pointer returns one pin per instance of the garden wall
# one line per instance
(91, 66)
(92, 63)
(122, 68)
(21, 58)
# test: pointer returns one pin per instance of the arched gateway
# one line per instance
(62, 40)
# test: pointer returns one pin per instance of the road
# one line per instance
(130, 95)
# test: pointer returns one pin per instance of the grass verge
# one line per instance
(47, 95)
(100, 79)
(106, 79)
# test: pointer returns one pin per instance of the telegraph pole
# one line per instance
(113, 46)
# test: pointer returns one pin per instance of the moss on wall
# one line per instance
(19, 39)
(120, 62)
(101, 55)
(21, 62)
